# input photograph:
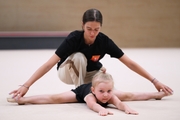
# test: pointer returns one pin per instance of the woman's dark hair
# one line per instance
(92, 15)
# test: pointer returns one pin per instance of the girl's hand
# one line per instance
(105, 112)
(130, 111)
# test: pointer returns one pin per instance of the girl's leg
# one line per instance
(139, 96)
(66, 97)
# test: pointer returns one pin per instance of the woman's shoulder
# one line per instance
(102, 36)
(76, 33)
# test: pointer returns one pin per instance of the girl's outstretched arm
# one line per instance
(93, 105)
(122, 106)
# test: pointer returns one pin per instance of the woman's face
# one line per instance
(103, 91)
(91, 30)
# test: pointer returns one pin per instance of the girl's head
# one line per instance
(102, 86)
(91, 24)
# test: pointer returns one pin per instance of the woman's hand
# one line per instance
(159, 86)
(19, 92)
(103, 69)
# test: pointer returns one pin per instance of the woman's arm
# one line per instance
(38, 74)
(122, 106)
(138, 69)
(93, 105)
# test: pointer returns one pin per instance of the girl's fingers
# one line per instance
(110, 113)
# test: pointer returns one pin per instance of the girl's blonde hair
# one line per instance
(101, 77)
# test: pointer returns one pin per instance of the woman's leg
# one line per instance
(89, 76)
(66, 97)
(73, 69)
(139, 96)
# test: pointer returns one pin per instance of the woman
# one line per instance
(79, 54)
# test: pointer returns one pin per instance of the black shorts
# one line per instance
(82, 91)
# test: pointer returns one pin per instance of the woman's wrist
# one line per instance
(24, 86)
(154, 80)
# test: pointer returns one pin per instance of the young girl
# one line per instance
(78, 57)
(97, 95)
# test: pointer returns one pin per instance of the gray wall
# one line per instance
(130, 23)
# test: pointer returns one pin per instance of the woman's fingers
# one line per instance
(103, 69)
(168, 90)
(159, 86)
(14, 91)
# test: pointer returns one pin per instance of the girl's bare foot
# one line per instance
(15, 100)
(160, 95)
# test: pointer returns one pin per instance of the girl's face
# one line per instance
(91, 30)
(103, 91)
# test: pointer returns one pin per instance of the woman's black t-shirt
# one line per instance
(102, 45)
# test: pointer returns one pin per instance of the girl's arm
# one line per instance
(122, 106)
(93, 105)
(38, 74)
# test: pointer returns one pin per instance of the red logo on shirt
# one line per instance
(95, 58)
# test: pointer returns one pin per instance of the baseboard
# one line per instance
(31, 40)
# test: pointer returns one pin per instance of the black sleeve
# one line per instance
(67, 46)
(113, 50)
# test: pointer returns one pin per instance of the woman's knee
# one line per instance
(79, 57)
